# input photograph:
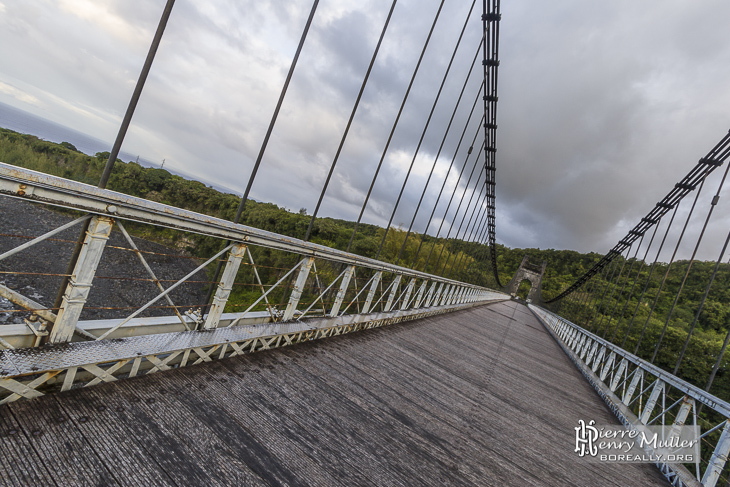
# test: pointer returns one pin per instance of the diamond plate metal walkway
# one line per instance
(476, 397)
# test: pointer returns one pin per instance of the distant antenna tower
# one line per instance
(137, 161)
(163, 164)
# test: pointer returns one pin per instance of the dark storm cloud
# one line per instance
(602, 106)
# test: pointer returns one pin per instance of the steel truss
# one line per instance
(640, 393)
(114, 348)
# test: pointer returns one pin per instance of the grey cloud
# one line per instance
(602, 106)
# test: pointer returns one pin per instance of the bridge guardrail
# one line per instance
(640, 393)
(386, 293)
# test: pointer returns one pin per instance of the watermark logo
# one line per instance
(637, 443)
(585, 439)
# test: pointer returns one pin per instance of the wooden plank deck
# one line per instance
(473, 398)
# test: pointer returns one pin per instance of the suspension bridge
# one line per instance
(337, 367)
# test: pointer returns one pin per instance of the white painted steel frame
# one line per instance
(84, 360)
(618, 367)
(32, 372)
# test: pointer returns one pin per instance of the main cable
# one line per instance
(490, 62)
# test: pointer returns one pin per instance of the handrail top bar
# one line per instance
(56, 191)
(700, 395)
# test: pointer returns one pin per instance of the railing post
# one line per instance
(452, 295)
(444, 296)
(584, 349)
(409, 291)
(653, 398)
(296, 293)
(79, 284)
(718, 459)
(433, 296)
(419, 297)
(393, 291)
(619, 374)
(687, 404)
(371, 292)
(343, 290)
(589, 358)
(608, 365)
(457, 295)
(429, 295)
(238, 251)
(638, 376)
(597, 362)
(572, 337)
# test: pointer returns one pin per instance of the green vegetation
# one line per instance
(160, 185)
(459, 260)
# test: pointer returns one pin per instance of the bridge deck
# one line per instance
(477, 397)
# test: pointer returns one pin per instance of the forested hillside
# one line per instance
(605, 310)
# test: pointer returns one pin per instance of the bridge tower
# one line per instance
(531, 273)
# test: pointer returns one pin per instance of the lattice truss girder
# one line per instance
(641, 394)
(29, 373)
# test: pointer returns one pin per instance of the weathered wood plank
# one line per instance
(60, 446)
(478, 397)
(19, 465)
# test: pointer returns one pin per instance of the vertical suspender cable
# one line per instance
(648, 277)
(479, 204)
(720, 355)
(395, 124)
(451, 227)
(425, 129)
(623, 286)
(118, 141)
(265, 142)
(613, 290)
(669, 267)
(349, 122)
(714, 202)
(438, 153)
(476, 162)
(443, 184)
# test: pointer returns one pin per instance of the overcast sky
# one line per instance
(603, 106)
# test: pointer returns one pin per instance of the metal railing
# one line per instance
(640, 393)
(389, 294)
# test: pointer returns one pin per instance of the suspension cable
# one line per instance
(265, 143)
(349, 122)
(441, 146)
(425, 129)
(490, 25)
(714, 159)
(395, 124)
